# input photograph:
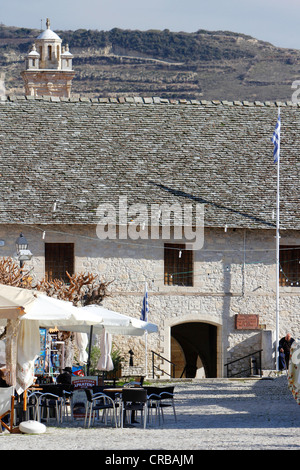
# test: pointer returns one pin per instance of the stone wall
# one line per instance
(234, 273)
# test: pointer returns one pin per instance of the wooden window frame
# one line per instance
(56, 268)
(178, 265)
(289, 266)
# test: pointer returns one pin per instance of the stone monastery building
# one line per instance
(63, 159)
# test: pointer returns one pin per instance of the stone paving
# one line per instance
(216, 414)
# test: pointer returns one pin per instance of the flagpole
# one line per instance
(146, 333)
(146, 351)
(277, 251)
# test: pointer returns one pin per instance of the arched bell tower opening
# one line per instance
(194, 350)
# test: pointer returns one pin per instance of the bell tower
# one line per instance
(48, 66)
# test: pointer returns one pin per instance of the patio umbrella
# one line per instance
(105, 361)
(94, 319)
(81, 341)
(101, 318)
(12, 302)
(26, 304)
(23, 312)
(28, 349)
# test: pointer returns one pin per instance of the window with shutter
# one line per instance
(178, 264)
(289, 261)
(59, 258)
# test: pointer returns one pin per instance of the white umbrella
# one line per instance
(81, 341)
(33, 305)
(23, 312)
(49, 311)
(105, 361)
(94, 319)
(99, 317)
(13, 301)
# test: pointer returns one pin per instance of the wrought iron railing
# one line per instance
(156, 368)
(253, 369)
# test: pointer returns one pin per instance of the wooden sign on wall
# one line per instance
(247, 322)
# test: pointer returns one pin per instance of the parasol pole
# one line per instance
(90, 349)
(277, 245)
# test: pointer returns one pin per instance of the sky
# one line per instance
(274, 21)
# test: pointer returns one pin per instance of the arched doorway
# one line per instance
(194, 349)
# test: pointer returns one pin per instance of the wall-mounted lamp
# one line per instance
(24, 254)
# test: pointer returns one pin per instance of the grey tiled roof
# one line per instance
(82, 152)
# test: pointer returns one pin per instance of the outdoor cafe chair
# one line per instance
(133, 401)
(32, 406)
(67, 391)
(25, 411)
(153, 399)
(99, 402)
(63, 394)
(166, 399)
(52, 404)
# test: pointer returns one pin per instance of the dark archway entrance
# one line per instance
(194, 345)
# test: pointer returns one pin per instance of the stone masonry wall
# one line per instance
(234, 273)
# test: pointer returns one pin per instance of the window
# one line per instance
(50, 52)
(289, 269)
(59, 258)
(178, 265)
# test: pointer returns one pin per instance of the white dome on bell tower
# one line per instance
(48, 45)
(48, 66)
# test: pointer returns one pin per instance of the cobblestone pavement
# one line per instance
(212, 414)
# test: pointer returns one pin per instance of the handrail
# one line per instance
(259, 351)
(158, 368)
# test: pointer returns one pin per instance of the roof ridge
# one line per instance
(147, 100)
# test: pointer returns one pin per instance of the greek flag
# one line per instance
(276, 139)
(145, 306)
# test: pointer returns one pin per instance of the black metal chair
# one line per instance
(167, 400)
(153, 402)
(51, 401)
(68, 391)
(134, 400)
(99, 402)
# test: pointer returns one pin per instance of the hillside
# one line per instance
(201, 65)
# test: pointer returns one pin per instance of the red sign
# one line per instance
(247, 322)
(84, 382)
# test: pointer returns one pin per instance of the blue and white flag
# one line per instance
(276, 139)
(145, 307)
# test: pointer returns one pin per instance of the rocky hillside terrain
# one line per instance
(202, 65)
